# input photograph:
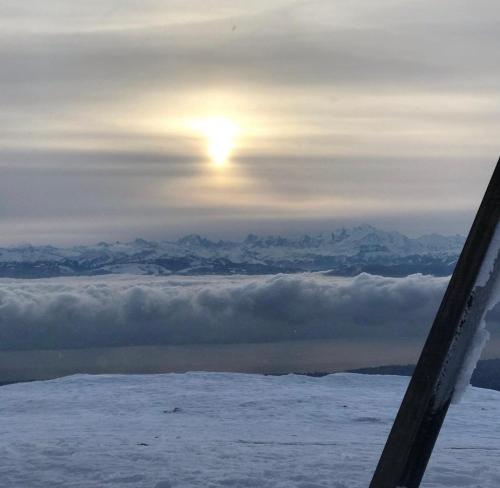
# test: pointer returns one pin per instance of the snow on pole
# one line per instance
(450, 352)
(487, 292)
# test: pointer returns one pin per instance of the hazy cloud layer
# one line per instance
(350, 110)
(81, 312)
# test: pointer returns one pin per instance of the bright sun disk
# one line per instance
(220, 134)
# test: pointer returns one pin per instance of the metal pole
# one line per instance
(420, 417)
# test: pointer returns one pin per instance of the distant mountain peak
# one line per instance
(251, 239)
(344, 251)
(195, 240)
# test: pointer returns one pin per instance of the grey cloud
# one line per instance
(342, 176)
(111, 311)
(39, 194)
(106, 161)
(89, 182)
(344, 79)
(276, 47)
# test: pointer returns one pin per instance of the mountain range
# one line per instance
(343, 252)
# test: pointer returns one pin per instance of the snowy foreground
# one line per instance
(228, 430)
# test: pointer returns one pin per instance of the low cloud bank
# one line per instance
(111, 311)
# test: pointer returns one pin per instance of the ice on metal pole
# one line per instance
(450, 352)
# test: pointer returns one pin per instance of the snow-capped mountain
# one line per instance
(344, 251)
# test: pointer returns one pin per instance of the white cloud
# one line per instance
(82, 312)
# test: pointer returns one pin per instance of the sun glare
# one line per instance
(220, 134)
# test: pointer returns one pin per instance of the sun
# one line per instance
(220, 134)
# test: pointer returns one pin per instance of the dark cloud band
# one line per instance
(111, 311)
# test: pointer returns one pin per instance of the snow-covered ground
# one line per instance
(228, 430)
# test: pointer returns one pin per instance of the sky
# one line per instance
(154, 119)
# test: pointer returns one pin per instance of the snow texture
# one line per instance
(228, 430)
(490, 259)
(488, 281)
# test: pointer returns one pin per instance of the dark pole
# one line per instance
(417, 425)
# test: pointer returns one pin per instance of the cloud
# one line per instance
(121, 310)
(288, 45)
(336, 99)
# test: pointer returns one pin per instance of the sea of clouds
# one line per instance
(131, 310)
